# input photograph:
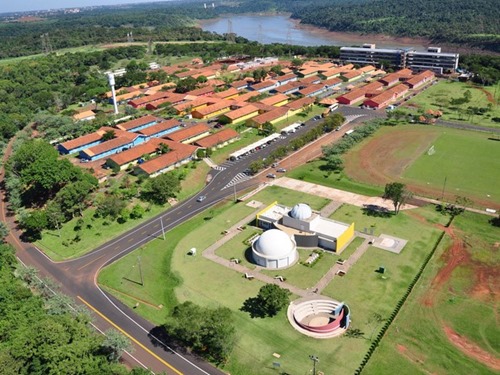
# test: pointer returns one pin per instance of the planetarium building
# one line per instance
(274, 249)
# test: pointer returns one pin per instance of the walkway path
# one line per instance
(336, 194)
(209, 253)
(325, 280)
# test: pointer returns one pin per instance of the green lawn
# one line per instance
(416, 343)
(300, 117)
(237, 248)
(246, 138)
(302, 276)
(469, 161)
(207, 283)
(366, 291)
(311, 172)
(94, 232)
(439, 95)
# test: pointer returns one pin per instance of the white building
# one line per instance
(275, 249)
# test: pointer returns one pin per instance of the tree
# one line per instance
(108, 135)
(297, 63)
(163, 148)
(110, 205)
(334, 163)
(273, 298)
(4, 231)
(185, 85)
(115, 344)
(160, 188)
(398, 194)
(209, 332)
(267, 129)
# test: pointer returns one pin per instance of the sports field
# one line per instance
(463, 163)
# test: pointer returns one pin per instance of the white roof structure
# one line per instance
(301, 211)
(274, 243)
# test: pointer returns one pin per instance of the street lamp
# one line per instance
(315, 359)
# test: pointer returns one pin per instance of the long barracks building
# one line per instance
(433, 59)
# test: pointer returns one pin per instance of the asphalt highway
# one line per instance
(78, 277)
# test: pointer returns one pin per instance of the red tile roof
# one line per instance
(218, 106)
(240, 112)
(187, 133)
(277, 112)
(129, 125)
(154, 129)
(311, 89)
(352, 74)
(216, 138)
(165, 160)
(299, 103)
(109, 145)
(272, 100)
(82, 141)
(136, 152)
(263, 84)
(422, 77)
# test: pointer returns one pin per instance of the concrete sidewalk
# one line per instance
(336, 194)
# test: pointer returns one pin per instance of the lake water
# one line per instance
(281, 29)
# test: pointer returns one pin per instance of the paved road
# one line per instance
(78, 277)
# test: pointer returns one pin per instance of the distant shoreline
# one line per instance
(357, 39)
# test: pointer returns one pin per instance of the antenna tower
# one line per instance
(230, 34)
(111, 80)
(260, 34)
(46, 46)
(289, 36)
(150, 46)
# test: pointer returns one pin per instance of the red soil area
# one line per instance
(472, 350)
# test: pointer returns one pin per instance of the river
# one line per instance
(282, 29)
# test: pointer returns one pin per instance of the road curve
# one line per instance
(78, 277)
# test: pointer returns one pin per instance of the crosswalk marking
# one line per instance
(240, 177)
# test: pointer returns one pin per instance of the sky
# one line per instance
(25, 5)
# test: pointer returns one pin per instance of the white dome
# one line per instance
(301, 211)
(274, 243)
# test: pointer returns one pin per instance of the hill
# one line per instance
(473, 22)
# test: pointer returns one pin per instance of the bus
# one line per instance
(349, 132)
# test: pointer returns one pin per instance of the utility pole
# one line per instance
(444, 186)
(140, 270)
(315, 359)
(162, 228)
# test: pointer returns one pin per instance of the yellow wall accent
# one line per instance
(246, 117)
(344, 238)
(264, 210)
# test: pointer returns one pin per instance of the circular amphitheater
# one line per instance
(319, 317)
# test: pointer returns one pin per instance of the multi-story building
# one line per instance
(433, 59)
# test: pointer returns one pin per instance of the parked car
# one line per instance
(281, 170)
(271, 175)
(274, 165)
(201, 198)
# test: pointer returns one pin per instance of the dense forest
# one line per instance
(472, 22)
(42, 332)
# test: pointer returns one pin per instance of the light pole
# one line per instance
(315, 359)
(162, 228)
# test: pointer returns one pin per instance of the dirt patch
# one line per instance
(489, 95)
(455, 256)
(471, 350)
(381, 158)
(486, 286)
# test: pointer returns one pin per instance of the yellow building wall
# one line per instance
(344, 238)
(195, 138)
(246, 117)
(280, 104)
(213, 114)
(264, 210)
(278, 119)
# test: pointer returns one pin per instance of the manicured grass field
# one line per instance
(247, 137)
(237, 248)
(311, 172)
(469, 161)
(438, 96)
(416, 342)
(207, 283)
(303, 276)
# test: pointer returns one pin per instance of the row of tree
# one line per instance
(46, 333)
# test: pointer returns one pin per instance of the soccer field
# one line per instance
(463, 163)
